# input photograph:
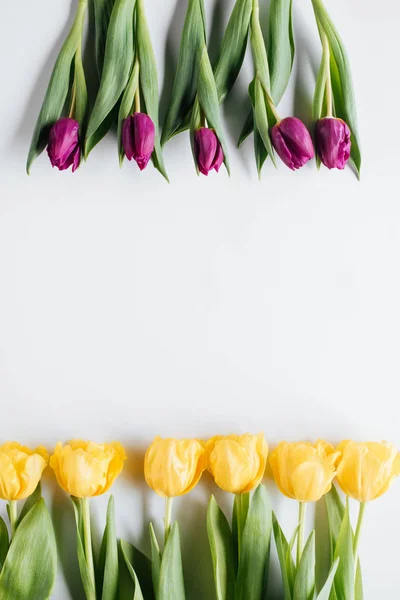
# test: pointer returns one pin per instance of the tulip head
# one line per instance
(367, 469)
(237, 462)
(304, 471)
(173, 467)
(292, 142)
(333, 143)
(20, 470)
(208, 150)
(63, 144)
(84, 469)
(138, 135)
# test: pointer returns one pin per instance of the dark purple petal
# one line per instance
(138, 135)
(127, 137)
(292, 142)
(76, 159)
(333, 142)
(63, 143)
(218, 159)
(206, 146)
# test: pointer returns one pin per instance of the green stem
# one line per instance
(300, 534)
(358, 529)
(87, 540)
(167, 521)
(240, 523)
(327, 60)
(13, 516)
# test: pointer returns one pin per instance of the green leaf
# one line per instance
(79, 90)
(241, 506)
(102, 14)
(233, 48)
(187, 70)
(142, 567)
(126, 106)
(171, 573)
(281, 46)
(247, 128)
(118, 60)
(208, 99)
(58, 88)
(155, 561)
(283, 550)
(336, 511)
(83, 568)
(255, 548)
(290, 566)
(261, 118)
(4, 542)
(31, 563)
(220, 539)
(359, 592)
(108, 561)
(137, 589)
(345, 574)
(30, 502)
(342, 84)
(260, 57)
(304, 583)
(326, 590)
(149, 81)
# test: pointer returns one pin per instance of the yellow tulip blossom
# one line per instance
(20, 470)
(367, 469)
(237, 462)
(304, 471)
(173, 467)
(85, 469)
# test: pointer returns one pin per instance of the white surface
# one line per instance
(130, 308)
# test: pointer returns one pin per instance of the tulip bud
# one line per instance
(63, 145)
(138, 133)
(292, 142)
(333, 143)
(208, 150)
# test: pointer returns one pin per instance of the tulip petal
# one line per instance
(206, 146)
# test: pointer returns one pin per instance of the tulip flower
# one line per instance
(333, 143)
(138, 135)
(237, 462)
(292, 142)
(20, 470)
(63, 144)
(208, 150)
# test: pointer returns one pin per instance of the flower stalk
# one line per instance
(168, 519)
(300, 534)
(87, 540)
(13, 516)
(360, 520)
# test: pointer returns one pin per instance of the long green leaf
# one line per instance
(281, 46)
(138, 595)
(326, 590)
(155, 561)
(345, 574)
(4, 542)
(304, 583)
(117, 66)
(57, 90)
(102, 14)
(30, 566)
(171, 575)
(254, 557)
(220, 539)
(126, 106)
(359, 592)
(283, 550)
(108, 563)
(336, 511)
(142, 567)
(30, 502)
(83, 567)
(80, 90)
(261, 118)
(149, 81)
(233, 48)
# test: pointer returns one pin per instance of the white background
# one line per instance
(130, 307)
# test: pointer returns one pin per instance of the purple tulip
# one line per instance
(208, 150)
(333, 143)
(63, 145)
(292, 142)
(138, 133)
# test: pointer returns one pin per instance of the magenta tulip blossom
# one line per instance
(208, 150)
(63, 144)
(333, 143)
(138, 134)
(292, 142)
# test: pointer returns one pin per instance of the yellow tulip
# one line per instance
(85, 469)
(173, 467)
(367, 469)
(304, 471)
(20, 470)
(237, 462)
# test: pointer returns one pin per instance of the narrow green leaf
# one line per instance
(261, 119)
(336, 511)
(4, 542)
(281, 46)
(102, 14)
(149, 81)
(359, 592)
(30, 566)
(57, 90)
(30, 502)
(220, 539)
(171, 574)
(208, 99)
(260, 57)
(304, 583)
(118, 60)
(155, 561)
(233, 48)
(138, 591)
(83, 568)
(325, 593)
(80, 90)
(345, 574)
(283, 550)
(254, 557)
(247, 129)
(290, 566)
(108, 563)
(142, 567)
(126, 106)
